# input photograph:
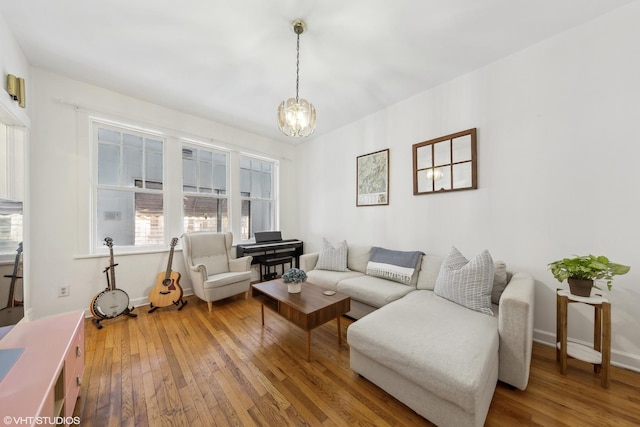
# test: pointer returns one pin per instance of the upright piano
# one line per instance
(268, 244)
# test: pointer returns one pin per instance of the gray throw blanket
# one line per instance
(394, 265)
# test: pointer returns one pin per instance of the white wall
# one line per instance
(558, 170)
(60, 189)
(12, 61)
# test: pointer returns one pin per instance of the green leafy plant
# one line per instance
(587, 267)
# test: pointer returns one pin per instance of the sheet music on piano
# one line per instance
(269, 243)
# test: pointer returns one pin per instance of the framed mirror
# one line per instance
(445, 164)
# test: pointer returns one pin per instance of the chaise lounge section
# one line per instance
(438, 357)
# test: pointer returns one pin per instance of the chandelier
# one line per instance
(297, 116)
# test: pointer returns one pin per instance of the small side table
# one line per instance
(600, 354)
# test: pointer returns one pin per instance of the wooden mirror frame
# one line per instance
(444, 167)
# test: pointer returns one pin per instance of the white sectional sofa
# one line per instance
(441, 359)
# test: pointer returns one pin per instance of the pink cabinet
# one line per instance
(42, 386)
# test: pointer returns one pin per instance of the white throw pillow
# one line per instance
(334, 259)
(468, 283)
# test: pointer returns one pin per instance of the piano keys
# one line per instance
(268, 244)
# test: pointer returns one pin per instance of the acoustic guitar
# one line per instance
(112, 302)
(14, 311)
(167, 290)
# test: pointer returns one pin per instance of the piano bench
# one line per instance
(273, 262)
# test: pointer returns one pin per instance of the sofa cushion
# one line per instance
(435, 343)
(329, 279)
(373, 291)
(358, 257)
(465, 282)
(429, 269)
(333, 258)
(398, 266)
(500, 280)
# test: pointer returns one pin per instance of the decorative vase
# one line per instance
(294, 287)
(580, 287)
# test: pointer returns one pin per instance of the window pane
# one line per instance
(189, 178)
(256, 188)
(153, 145)
(245, 163)
(245, 220)
(260, 216)
(153, 170)
(108, 135)
(149, 219)
(10, 226)
(205, 177)
(108, 164)
(220, 179)
(205, 156)
(129, 218)
(132, 167)
(116, 217)
(245, 182)
(220, 159)
(256, 183)
(266, 185)
(205, 214)
(132, 141)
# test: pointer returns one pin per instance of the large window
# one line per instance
(204, 186)
(256, 192)
(129, 206)
(150, 186)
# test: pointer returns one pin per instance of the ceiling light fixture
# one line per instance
(296, 116)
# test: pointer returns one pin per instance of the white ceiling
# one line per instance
(234, 61)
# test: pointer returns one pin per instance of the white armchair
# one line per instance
(214, 270)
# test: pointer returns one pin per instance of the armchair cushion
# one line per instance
(223, 279)
(209, 250)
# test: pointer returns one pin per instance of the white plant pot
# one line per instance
(294, 288)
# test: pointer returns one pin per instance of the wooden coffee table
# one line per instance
(307, 309)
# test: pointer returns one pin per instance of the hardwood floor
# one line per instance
(195, 368)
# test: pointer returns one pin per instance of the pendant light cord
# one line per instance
(297, 64)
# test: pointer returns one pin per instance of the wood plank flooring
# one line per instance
(198, 368)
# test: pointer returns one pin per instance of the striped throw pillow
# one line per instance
(334, 259)
(468, 283)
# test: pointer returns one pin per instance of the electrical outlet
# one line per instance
(64, 291)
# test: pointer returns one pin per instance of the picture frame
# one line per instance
(372, 179)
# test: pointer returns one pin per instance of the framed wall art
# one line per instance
(372, 174)
(445, 164)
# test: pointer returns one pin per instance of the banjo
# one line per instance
(111, 302)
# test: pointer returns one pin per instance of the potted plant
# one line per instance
(293, 278)
(581, 271)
